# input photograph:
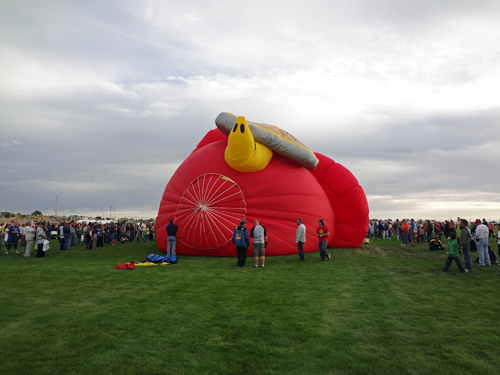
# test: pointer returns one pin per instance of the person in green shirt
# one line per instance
(453, 254)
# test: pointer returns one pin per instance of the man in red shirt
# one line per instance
(490, 230)
(322, 233)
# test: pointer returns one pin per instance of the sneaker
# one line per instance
(329, 257)
(256, 266)
(466, 270)
(261, 266)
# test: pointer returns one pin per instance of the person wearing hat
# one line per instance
(482, 243)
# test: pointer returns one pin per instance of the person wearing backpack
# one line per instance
(242, 241)
(465, 237)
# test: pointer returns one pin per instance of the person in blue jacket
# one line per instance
(242, 241)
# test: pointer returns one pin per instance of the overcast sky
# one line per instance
(100, 101)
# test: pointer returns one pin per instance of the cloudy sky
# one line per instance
(100, 101)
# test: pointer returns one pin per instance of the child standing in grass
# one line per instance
(453, 254)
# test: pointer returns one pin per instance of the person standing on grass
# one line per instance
(413, 232)
(429, 231)
(79, 233)
(453, 255)
(300, 238)
(40, 237)
(171, 238)
(404, 230)
(259, 235)
(497, 236)
(72, 235)
(242, 241)
(67, 236)
(322, 233)
(29, 232)
(482, 244)
(381, 229)
(490, 230)
(13, 238)
(112, 233)
(465, 237)
(438, 230)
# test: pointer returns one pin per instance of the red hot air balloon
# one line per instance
(207, 198)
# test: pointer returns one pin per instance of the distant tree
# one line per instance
(7, 214)
(98, 218)
(36, 213)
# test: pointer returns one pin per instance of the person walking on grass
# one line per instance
(171, 238)
(300, 238)
(482, 244)
(322, 233)
(242, 241)
(453, 255)
(259, 235)
(465, 238)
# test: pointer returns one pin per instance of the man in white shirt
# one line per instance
(300, 238)
(482, 243)
(497, 236)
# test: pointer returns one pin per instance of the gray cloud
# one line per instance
(101, 102)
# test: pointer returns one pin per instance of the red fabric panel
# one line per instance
(213, 135)
(348, 201)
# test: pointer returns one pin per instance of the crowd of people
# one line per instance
(95, 234)
(92, 235)
(473, 236)
(419, 231)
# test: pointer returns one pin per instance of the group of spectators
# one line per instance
(419, 231)
(90, 234)
(473, 235)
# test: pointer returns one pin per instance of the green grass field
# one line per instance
(380, 309)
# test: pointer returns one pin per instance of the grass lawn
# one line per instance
(380, 309)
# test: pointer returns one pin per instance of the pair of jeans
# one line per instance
(300, 247)
(467, 258)
(449, 261)
(171, 244)
(68, 241)
(242, 255)
(405, 237)
(482, 249)
(323, 252)
(72, 241)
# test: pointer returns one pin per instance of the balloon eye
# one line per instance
(235, 127)
(242, 128)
